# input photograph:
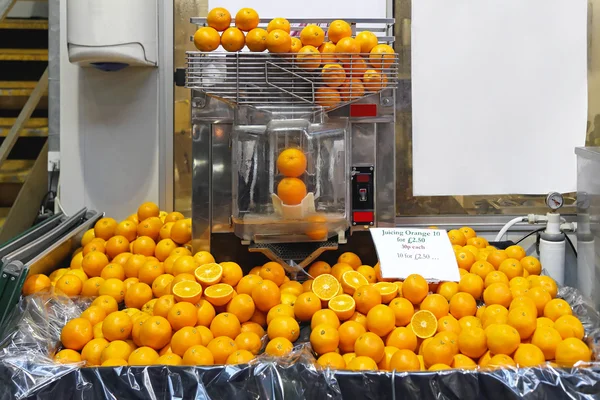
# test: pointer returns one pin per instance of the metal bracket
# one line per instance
(179, 77)
(386, 101)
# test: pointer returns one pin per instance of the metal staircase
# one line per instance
(23, 119)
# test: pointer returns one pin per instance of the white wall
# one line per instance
(109, 136)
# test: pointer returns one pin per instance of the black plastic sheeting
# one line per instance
(26, 371)
(274, 380)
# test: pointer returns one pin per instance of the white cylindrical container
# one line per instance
(552, 258)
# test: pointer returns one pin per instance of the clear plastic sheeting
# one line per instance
(27, 370)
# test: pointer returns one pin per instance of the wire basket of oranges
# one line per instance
(319, 63)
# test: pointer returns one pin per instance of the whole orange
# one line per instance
(403, 310)
(142, 356)
(266, 295)
(327, 50)
(92, 351)
(349, 331)
(333, 75)
(233, 39)
(207, 38)
(76, 333)
(382, 56)
(339, 29)
(307, 304)
(225, 324)
(279, 41)
(502, 339)
(279, 23)
(437, 304)
(155, 333)
(36, 283)
(332, 360)
(286, 327)
(351, 89)
(256, 40)
(370, 345)
(105, 228)
(381, 320)
(312, 35)
(246, 19)
(279, 347)
(291, 191)
(402, 338)
(218, 18)
(366, 297)
(511, 267)
(327, 97)
(249, 341)
(438, 351)
(367, 40)
(346, 46)
(547, 339)
(497, 293)
(182, 314)
(324, 339)
(572, 350)
(472, 342)
(415, 288)
(198, 355)
(472, 284)
(221, 347)
(405, 360)
(528, 355)
(462, 304)
(185, 338)
(291, 162)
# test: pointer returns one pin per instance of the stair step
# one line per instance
(23, 54)
(17, 88)
(15, 171)
(14, 94)
(27, 132)
(31, 123)
(19, 23)
(25, 148)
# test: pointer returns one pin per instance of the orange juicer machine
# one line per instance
(249, 107)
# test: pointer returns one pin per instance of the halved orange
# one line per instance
(352, 280)
(219, 294)
(187, 291)
(209, 274)
(423, 324)
(387, 290)
(343, 306)
(325, 286)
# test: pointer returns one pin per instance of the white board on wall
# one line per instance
(307, 9)
(499, 90)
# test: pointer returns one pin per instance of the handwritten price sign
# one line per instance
(405, 251)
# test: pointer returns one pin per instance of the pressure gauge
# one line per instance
(554, 200)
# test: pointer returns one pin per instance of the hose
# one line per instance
(509, 225)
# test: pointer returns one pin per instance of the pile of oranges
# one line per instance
(349, 66)
(373, 323)
(157, 304)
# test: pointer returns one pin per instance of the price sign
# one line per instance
(406, 251)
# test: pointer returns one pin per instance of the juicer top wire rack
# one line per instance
(307, 82)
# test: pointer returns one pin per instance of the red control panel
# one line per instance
(363, 189)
